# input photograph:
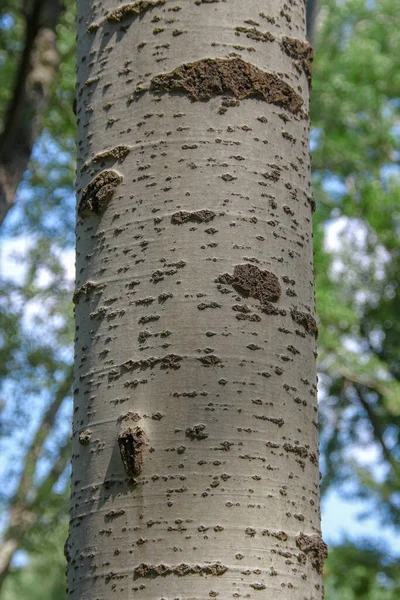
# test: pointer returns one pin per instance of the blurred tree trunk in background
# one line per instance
(311, 17)
(195, 460)
(29, 501)
(32, 85)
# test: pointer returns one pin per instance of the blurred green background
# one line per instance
(355, 142)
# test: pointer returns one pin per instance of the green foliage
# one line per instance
(36, 323)
(43, 578)
(355, 115)
(361, 572)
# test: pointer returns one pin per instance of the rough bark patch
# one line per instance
(305, 320)
(279, 535)
(98, 193)
(269, 309)
(85, 437)
(299, 450)
(210, 360)
(197, 432)
(198, 216)
(169, 361)
(209, 77)
(85, 290)
(132, 443)
(255, 34)
(251, 281)
(301, 52)
(132, 9)
(126, 11)
(144, 570)
(118, 153)
(258, 586)
(315, 547)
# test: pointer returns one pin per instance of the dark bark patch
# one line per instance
(305, 320)
(275, 420)
(118, 153)
(315, 548)
(85, 290)
(98, 193)
(205, 305)
(302, 54)
(197, 432)
(251, 281)
(85, 437)
(170, 361)
(269, 309)
(312, 203)
(210, 77)
(132, 443)
(258, 586)
(132, 9)
(152, 571)
(299, 450)
(114, 514)
(273, 175)
(255, 34)
(198, 216)
(279, 535)
(210, 360)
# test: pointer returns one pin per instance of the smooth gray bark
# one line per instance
(195, 459)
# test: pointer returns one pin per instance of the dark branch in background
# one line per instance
(27, 502)
(311, 16)
(36, 449)
(382, 354)
(361, 385)
(376, 427)
(36, 72)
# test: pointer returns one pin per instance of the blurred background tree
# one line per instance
(355, 141)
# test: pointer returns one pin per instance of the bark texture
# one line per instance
(195, 460)
(36, 72)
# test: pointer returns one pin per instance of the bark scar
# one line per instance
(132, 444)
(198, 216)
(98, 193)
(251, 281)
(315, 547)
(305, 320)
(209, 77)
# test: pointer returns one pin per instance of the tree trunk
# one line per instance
(311, 17)
(195, 461)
